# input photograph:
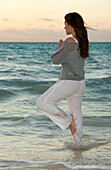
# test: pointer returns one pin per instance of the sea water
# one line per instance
(29, 139)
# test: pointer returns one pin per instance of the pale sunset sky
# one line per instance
(43, 20)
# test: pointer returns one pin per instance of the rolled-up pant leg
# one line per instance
(47, 101)
(74, 105)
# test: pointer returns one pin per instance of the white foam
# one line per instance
(69, 165)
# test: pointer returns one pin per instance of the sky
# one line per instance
(43, 20)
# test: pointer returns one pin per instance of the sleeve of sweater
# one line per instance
(61, 55)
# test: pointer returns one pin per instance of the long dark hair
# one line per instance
(77, 22)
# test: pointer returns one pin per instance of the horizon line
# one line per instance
(47, 41)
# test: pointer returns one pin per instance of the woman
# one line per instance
(71, 54)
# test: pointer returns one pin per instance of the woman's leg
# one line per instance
(74, 105)
(47, 101)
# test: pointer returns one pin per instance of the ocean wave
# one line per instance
(94, 88)
(5, 94)
(100, 88)
(23, 82)
(31, 82)
(99, 81)
(39, 89)
(4, 163)
(100, 121)
(96, 121)
(17, 82)
(14, 86)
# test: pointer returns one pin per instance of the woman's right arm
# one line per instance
(59, 44)
(59, 56)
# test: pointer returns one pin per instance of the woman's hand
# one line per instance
(59, 43)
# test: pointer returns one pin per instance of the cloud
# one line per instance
(102, 24)
(30, 25)
(47, 19)
(100, 35)
(49, 35)
(38, 35)
(5, 19)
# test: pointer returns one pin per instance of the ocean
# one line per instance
(29, 139)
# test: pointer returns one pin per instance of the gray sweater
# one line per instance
(72, 64)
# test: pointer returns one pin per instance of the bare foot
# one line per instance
(72, 125)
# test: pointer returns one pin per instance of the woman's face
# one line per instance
(68, 28)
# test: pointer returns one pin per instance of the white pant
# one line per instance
(73, 91)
